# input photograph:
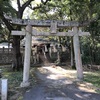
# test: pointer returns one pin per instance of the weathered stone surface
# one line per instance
(4, 89)
(5, 58)
(28, 44)
(5, 55)
(44, 23)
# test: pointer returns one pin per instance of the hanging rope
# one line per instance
(50, 52)
(63, 48)
(45, 48)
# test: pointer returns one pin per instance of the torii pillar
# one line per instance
(26, 68)
(78, 61)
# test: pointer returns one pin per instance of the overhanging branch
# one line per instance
(34, 8)
(7, 23)
(27, 3)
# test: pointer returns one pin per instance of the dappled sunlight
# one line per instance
(93, 79)
(78, 95)
(57, 72)
(85, 88)
(60, 79)
(57, 75)
(85, 96)
(59, 83)
(55, 69)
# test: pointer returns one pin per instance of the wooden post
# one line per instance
(53, 28)
(78, 60)
(25, 82)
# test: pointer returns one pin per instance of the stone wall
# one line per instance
(6, 56)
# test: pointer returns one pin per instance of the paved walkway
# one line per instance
(55, 83)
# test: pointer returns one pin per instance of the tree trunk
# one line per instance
(72, 55)
(17, 60)
(90, 54)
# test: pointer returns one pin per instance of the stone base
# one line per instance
(25, 84)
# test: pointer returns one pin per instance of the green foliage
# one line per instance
(94, 78)
(79, 10)
(14, 78)
(4, 34)
(90, 50)
(65, 9)
(6, 7)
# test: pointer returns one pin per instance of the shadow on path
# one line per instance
(54, 85)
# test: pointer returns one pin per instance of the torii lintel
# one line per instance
(47, 23)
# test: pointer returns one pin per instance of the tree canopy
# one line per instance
(78, 10)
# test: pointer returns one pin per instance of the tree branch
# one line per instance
(9, 26)
(27, 3)
(37, 7)
(47, 15)
(18, 3)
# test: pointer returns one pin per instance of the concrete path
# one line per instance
(55, 83)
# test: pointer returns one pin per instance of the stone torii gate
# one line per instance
(53, 32)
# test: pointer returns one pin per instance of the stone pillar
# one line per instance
(4, 89)
(78, 60)
(28, 41)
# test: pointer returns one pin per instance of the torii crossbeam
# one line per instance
(41, 33)
(46, 23)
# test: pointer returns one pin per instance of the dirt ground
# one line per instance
(57, 83)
